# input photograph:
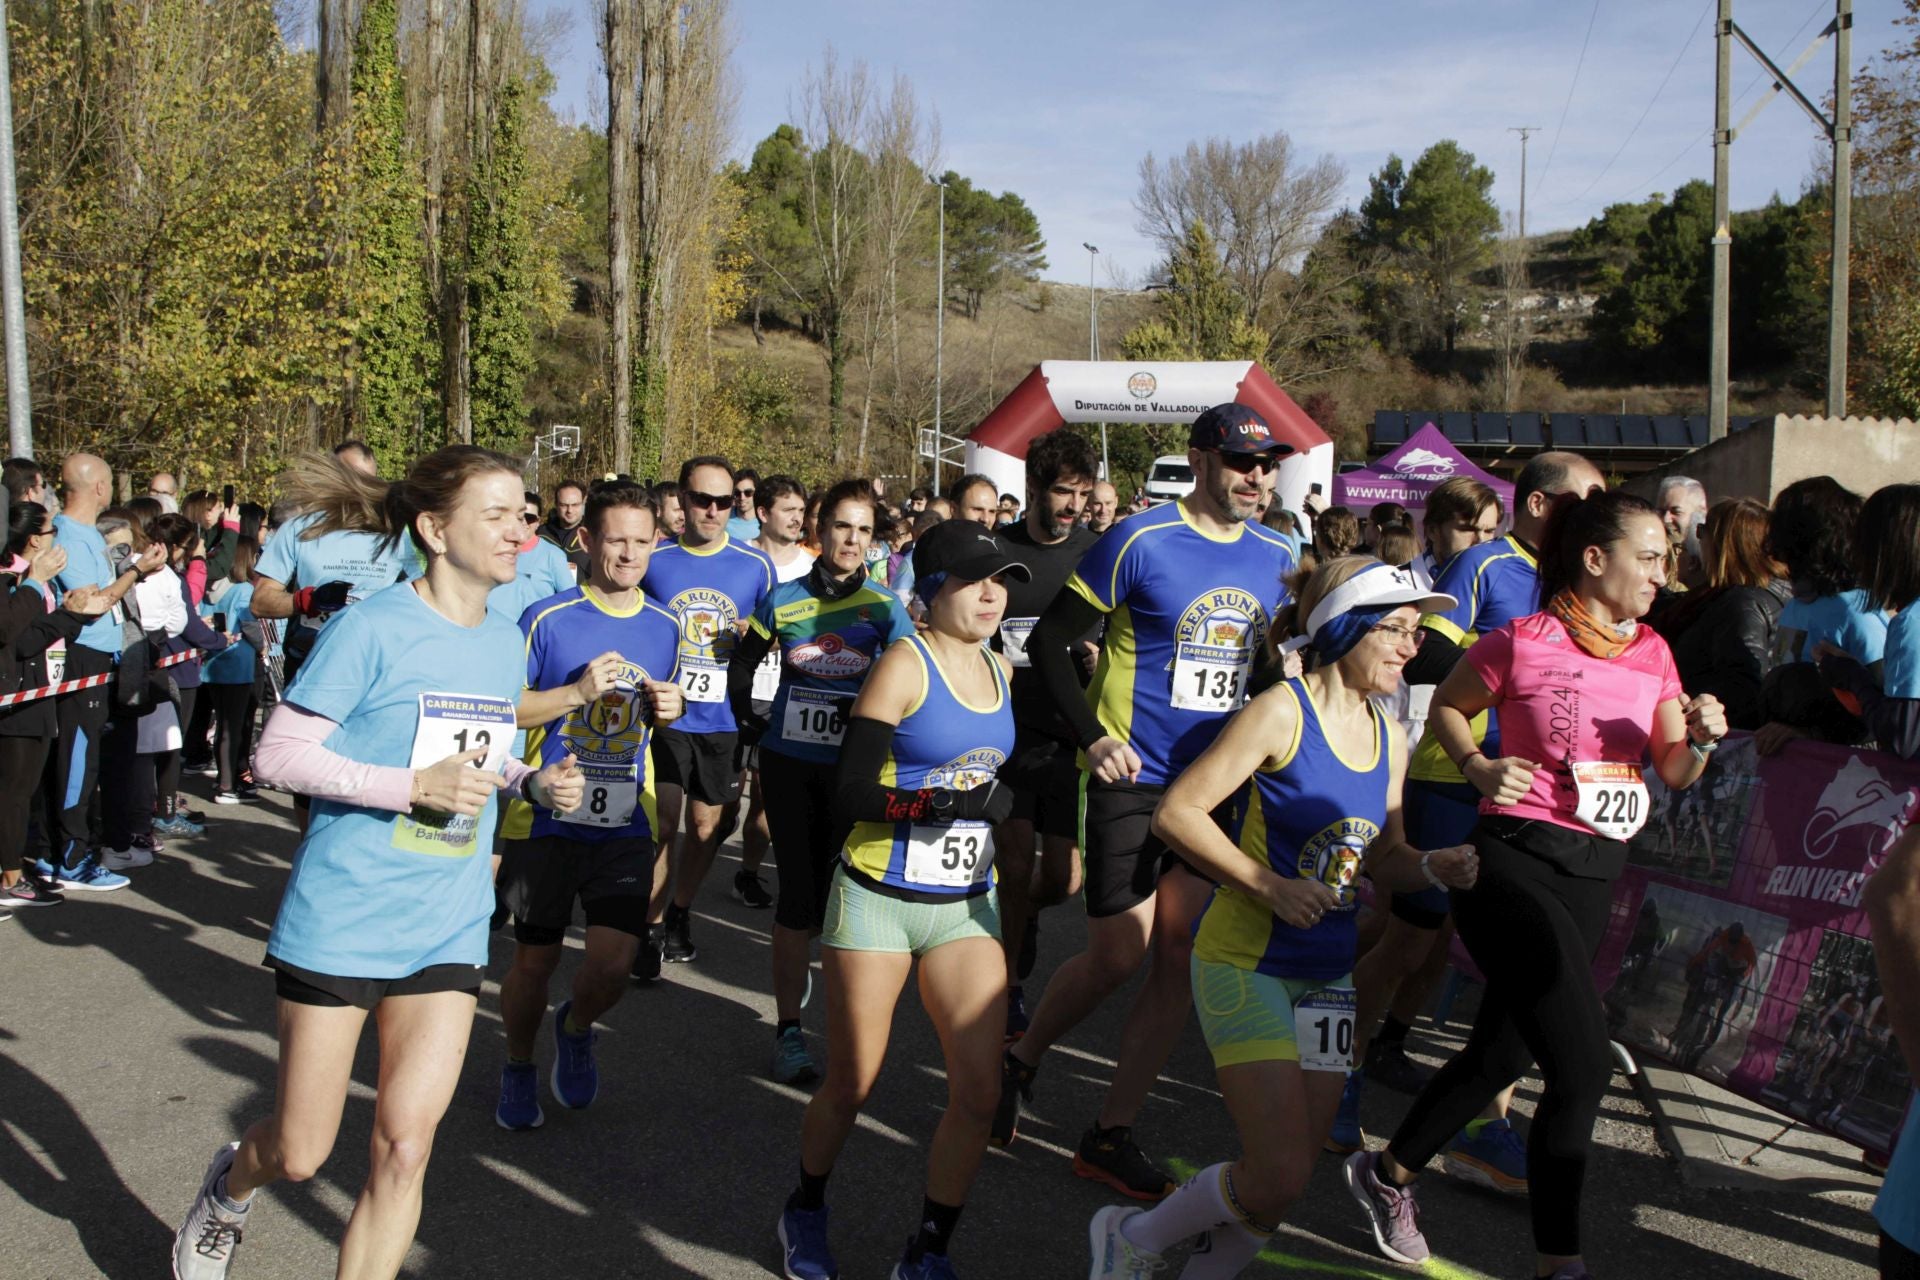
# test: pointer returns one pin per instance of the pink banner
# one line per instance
(1738, 948)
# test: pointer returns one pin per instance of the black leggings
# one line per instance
(21, 762)
(1533, 929)
(1897, 1262)
(166, 764)
(232, 728)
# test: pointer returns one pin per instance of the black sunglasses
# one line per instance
(1248, 463)
(532, 517)
(707, 500)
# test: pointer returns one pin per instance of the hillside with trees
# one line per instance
(236, 247)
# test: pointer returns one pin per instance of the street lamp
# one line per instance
(1093, 303)
(1093, 340)
(939, 330)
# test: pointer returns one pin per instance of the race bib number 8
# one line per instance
(949, 855)
(1612, 799)
(1207, 678)
(609, 801)
(703, 681)
(1323, 1029)
(451, 724)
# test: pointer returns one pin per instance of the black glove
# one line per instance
(991, 803)
(318, 602)
(752, 728)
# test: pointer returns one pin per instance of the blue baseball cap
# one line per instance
(1234, 428)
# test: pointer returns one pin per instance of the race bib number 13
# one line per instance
(449, 724)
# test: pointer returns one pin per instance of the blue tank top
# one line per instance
(941, 742)
(1311, 816)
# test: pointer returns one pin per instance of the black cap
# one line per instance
(1234, 428)
(965, 550)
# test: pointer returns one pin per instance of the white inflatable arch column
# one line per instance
(1062, 391)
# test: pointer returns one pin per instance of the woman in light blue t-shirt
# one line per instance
(1887, 685)
(398, 728)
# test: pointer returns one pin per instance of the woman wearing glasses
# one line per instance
(1273, 952)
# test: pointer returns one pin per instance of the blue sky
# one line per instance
(1059, 101)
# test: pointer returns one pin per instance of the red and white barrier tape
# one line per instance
(87, 682)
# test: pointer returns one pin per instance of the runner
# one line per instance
(1042, 772)
(712, 583)
(600, 661)
(780, 505)
(823, 630)
(1584, 694)
(1494, 582)
(398, 726)
(1186, 591)
(916, 781)
(976, 498)
(1273, 954)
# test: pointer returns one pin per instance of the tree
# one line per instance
(991, 242)
(618, 37)
(1886, 224)
(837, 211)
(1199, 315)
(1437, 221)
(500, 284)
(777, 242)
(1262, 204)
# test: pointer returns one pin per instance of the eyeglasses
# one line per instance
(743, 493)
(532, 517)
(1398, 635)
(1247, 463)
(708, 500)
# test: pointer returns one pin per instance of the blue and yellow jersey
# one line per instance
(826, 648)
(1494, 583)
(940, 742)
(608, 737)
(1187, 613)
(712, 590)
(1312, 814)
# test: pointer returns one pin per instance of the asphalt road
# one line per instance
(136, 1036)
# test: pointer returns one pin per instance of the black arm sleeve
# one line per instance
(1050, 649)
(858, 795)
(1433, 661)
(748, 653)
(26, 627)
(1895, 722)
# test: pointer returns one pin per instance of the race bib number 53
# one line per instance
(449, 724)
(949, 855)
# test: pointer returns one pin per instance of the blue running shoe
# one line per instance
(1497, 1158)
(576, 1080)
(932, 1266)
(792, 1064)
(89, 877)
(178, 825)
(803, 1245)
(1347, 1136)
(519, 1097)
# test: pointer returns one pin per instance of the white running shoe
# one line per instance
(1114, 1256)
(126, 859)
(204, 1246)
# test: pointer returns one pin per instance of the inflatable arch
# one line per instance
(1063, 391)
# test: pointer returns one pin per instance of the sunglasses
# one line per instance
(743, 493)
(710, 501)
(532, 517)
(1248, 463)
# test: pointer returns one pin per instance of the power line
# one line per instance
(1580, 62)
(1608, 167)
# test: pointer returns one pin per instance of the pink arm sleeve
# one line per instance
(197, 581)
(290, 756)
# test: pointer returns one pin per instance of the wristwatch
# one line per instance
(942, 804)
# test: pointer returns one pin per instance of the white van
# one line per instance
(1169, 479)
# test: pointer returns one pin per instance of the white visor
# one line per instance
(1373, 586)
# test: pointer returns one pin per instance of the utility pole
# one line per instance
(939, 332)
(1842, 210)
(1525, 131)
(1722, 227)
(12, 294)
(1093, 303)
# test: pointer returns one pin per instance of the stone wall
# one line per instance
(1861, 453)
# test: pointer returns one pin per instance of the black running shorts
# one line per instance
(541, 878)
(330, 991)
(700, 764)
(1046, 783)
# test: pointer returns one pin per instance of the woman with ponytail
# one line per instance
(1586, 697)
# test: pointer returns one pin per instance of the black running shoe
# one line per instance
(676, 943)
(1111, 1156)
(748, 889)
(1388, 1064)
(646, 963)
(1016, 1084)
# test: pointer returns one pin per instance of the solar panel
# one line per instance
(1458, 427)
(1389, 427)
(1527, 429)
(1636, 431)
(1670, 432)
(1491, 428)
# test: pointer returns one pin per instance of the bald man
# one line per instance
(1103, 508)
(165, 490)
(356, 454)
(86, 483)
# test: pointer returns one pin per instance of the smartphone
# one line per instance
(1315, 487)
(220, 623)
(226, 497)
